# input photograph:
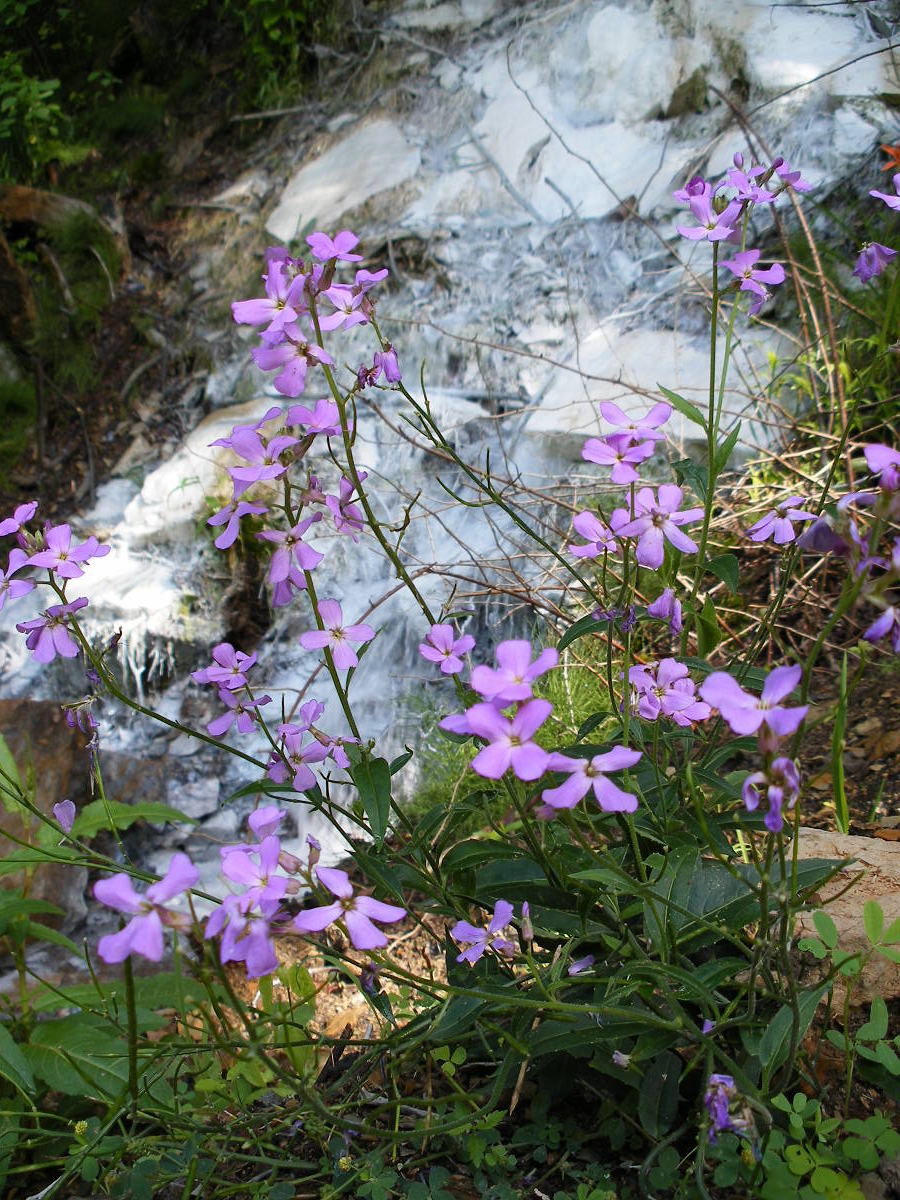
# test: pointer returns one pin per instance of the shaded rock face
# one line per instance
(53, 766)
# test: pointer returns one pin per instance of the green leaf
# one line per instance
(658, 1098)
(892, 933)
(79, 1056)
(99, 815)
(726, 568)
(582, 627)
(372, 777)
(877, 1025)
(873, 918)
(841, 805)
(707, 628)
(687, 471)
(723, 452)
(684, 407)
(775, 1043)
(826, 928)
(13, 1065)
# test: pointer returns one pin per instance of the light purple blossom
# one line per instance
(144, 932)
(230, 517)
(697, 186)
(444, 647)
(887, 623)
(336, 635)
(667, 608)
(291, 549)
(264, 821)
(262, 457)
(385, 362)
(580, 964)
(790, 178)
(667, 690)
(228, 669)
(347, 310)
(658, 520)
(510, 746)
(11, 589)
(254, 869)
(711, 226)
(491, 937)
(778, 524)
(744, 182)
(891, 201)
(599, 537)
(881, 460)
(589, 774)
(324, 418)
(283, 304)
(515, 672)
(325, 248)
(720, 1092)
(348, 517)
(779, 784)
(61, 557)
(754, 279)
(617, 450)
(239, 712)
(293, 759)
(48, 635)
(357, 912)
(294, 357)
(246, 929)
(65, 815)
(745, 713)
(872, 260)
(640, 429)
(21, 515)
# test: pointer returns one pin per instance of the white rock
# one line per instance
(374, 157)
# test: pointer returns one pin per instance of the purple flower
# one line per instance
(720, 1092)
(779, 783)
(514, 674)
(246, 928)
(668, 691)
(325, 248)
(291, 549)
(385, 362)
(230, 517)
(743, 182)
(712, 226)
(697, 186)
(743, 265)
(640, 429)
(240, 712)
(442, 646)
(887, 623)
(621, 1060)
(789, 178)
(283, 305)
(293, 758)
(263, 457)
(586, 774)
(264, 821)
(22, 514)
(580, 964)
(347, 308)
(599, 537)
(778, 524)
(61, 557)
(872, 260)
(667, 608)
(880, 459)
(745, 713)
(49, 635)
(348, 517)
(253, 868)
(657, 520)
(65, 815)
(11, 589)
(144, 932)
(357, 912)
(619, 452)
(891, 201)
(228, 669)
(491, 937)
(325, 418)
(294, 356)
(510, 745)
(336, 635)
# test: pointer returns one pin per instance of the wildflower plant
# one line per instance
(639, 846)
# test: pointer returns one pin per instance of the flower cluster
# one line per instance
(666, 689)
(873, 257)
